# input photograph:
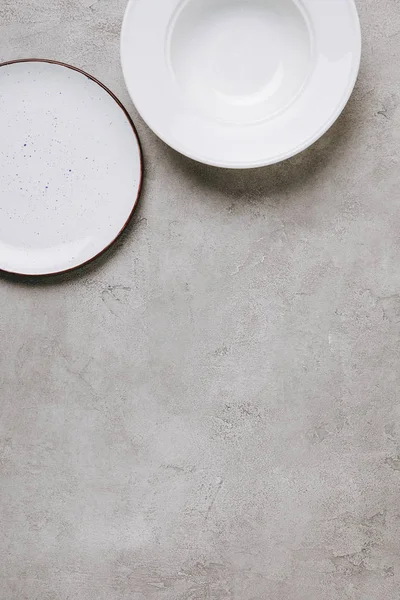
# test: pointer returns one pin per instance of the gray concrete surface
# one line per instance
(211, 412)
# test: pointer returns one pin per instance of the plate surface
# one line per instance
(240, 83)
(70, 167)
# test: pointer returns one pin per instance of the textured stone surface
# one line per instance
(211, 411)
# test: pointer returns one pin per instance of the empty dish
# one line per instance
(240, 83)
(70, 167)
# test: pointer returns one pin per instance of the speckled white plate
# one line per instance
(70, 167)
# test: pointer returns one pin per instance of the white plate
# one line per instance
(240, 83)
(70, 167)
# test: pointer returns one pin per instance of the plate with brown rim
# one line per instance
(70, 167)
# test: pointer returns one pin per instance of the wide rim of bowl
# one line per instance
(141, 165)
(356, 62)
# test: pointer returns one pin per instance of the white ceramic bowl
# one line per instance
(240, 83)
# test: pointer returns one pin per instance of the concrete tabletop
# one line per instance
(211, 410)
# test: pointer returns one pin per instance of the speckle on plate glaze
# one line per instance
(86, 203)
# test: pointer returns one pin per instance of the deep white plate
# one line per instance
(70, 167)
(240, 83)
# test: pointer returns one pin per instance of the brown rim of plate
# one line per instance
(135, 133)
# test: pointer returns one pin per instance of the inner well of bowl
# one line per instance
(240, 61)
